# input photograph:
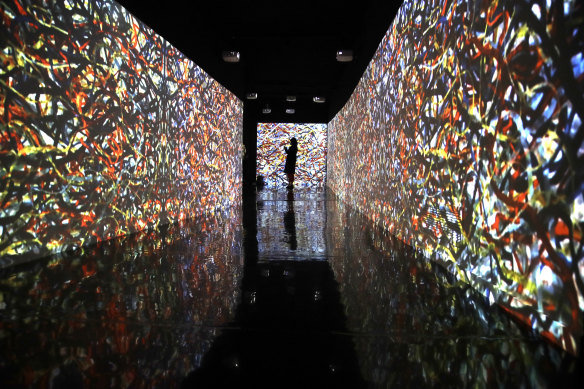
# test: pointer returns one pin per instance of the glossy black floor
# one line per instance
(295, 291)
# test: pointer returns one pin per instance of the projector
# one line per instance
(345, 55)
(231, 56)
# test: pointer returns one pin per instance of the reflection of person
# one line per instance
(290, 222)
(290, 166)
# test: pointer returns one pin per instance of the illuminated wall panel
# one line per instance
(464, 138)
(105, 129)
(311, 157)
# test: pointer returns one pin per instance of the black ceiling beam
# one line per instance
(287, 48)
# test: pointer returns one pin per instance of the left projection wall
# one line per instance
(105, 129)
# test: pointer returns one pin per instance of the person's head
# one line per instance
(293, 141)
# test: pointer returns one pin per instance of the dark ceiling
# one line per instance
(287, 47)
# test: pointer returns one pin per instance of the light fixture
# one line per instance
(345, 55)
(318, 99)
(290, 98)
(290, 110)
(266, 109)
(251, 96)
(230, 56)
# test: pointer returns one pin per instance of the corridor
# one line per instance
(293, 290)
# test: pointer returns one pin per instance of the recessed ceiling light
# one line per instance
(318, 99)
(290, 98)
(230, 56)
(251, 96)
(290, 110)
(266, 109)
(345, 55)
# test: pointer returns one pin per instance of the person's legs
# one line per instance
(290, 179)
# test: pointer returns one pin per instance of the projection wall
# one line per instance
(105, 129)
(311, 157)
(464, 138)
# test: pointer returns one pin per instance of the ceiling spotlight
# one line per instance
(318, 99)
(251, 96)
(290, 98)
(345, 55)
(230, 56)
(290, 110)
(266, 109)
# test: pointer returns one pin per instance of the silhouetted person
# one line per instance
(260, 182)
(290, 166)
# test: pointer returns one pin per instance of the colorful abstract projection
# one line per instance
(464, 138)
(311, 157)
(125, 304)
(105, 128)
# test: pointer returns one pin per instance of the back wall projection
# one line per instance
(464, 138)
(106, 129)
(311, 157)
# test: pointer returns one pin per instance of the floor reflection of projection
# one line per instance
(311, 158)
(291, 224)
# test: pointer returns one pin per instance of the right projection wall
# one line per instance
(464, 139)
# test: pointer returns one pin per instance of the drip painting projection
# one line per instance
(464, 139)
(311, 157)
(106, 128)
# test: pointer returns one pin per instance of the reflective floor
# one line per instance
(295, 291)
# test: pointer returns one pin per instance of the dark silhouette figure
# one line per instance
(260, 183)
(290, 167)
